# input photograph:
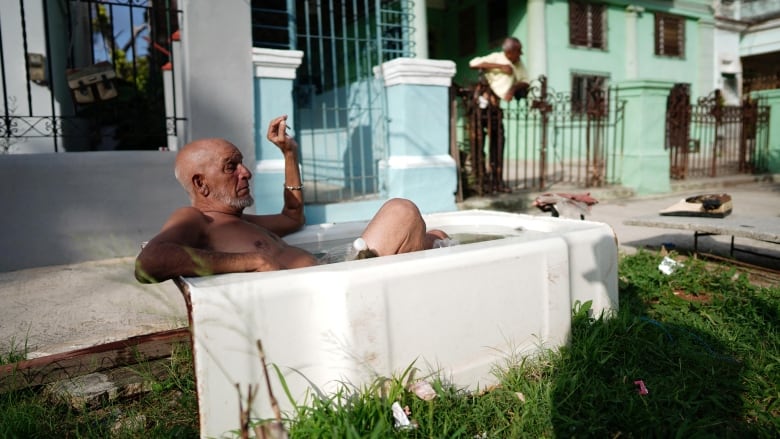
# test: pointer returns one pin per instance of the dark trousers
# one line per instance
(489, 122)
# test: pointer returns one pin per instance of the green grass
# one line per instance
(169, 410)
(704, 340)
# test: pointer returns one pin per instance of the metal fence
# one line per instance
(340, 107)
(710, 139)
(548, 139)
(85, 74)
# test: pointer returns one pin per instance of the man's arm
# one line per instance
(519, 87)
(505, 68)
(291, 218)
(178, 251)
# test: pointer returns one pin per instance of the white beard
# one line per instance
(234, 202)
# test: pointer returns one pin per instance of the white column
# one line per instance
(632, 63)
(536, 46)
(216, 42)
(420, 24)
(708, 56)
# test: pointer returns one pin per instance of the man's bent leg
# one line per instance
(398, 227)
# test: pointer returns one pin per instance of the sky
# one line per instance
(122, 32)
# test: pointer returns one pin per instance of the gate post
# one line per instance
(418, 165)
(645, 160)
(772, 99)
(274, 72)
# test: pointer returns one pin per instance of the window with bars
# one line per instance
(586, 90)
(587, 25)
(669, 35)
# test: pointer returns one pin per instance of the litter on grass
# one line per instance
(641, 388)
(669, 265)
(423, 390)
(401, 419)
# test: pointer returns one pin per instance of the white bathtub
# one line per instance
(457, 310)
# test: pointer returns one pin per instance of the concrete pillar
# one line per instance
(418, 165)
(772, 98)
(420, 25)
(536, 46)
(707, 57)
(632, 63)
(274, 72)
(645, 161)
(217, 51)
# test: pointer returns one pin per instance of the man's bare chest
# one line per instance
(238, 236)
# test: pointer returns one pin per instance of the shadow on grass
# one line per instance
(702, 343)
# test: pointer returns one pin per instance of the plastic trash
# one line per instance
(668, 265)
(401, 420)
(641, 388)
(423, 390)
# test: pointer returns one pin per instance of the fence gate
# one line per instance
(85, 74)
(710, 139)
(548, 138)
(340, 108)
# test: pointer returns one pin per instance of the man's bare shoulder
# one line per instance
(189, 217)
(189, 213)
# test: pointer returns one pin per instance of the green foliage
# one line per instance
(169, 410)
(703, 340)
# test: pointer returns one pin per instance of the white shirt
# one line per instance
(499, 81)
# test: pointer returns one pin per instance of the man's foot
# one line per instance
(366, 254)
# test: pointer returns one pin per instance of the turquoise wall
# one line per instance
(562, 59)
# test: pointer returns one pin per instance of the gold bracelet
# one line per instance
(293, 188)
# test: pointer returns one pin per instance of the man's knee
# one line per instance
(402, 213)
(401, 207)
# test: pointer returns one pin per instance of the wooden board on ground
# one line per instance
(84, 361)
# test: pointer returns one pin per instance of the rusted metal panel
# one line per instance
(711, 139)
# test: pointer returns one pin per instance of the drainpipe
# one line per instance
(420, 26)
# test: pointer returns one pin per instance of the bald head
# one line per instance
(512, 48)
(196, 157)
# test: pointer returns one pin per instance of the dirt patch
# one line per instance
(698, 297)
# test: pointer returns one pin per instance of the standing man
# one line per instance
(503, 76)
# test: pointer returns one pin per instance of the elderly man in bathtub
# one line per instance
(214, 236)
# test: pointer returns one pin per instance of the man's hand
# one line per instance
(506, 69)
(519, 90)
(278, 136)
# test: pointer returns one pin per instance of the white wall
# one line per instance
(81, 206)
(216, 39)
(727, 60)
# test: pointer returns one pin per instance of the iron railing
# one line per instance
(548, 140)
(38, 109)
(711, 139)
(340, 107)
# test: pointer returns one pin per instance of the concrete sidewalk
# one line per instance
(61, 308)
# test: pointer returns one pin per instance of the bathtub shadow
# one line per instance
(694, 383)
(764, 255)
